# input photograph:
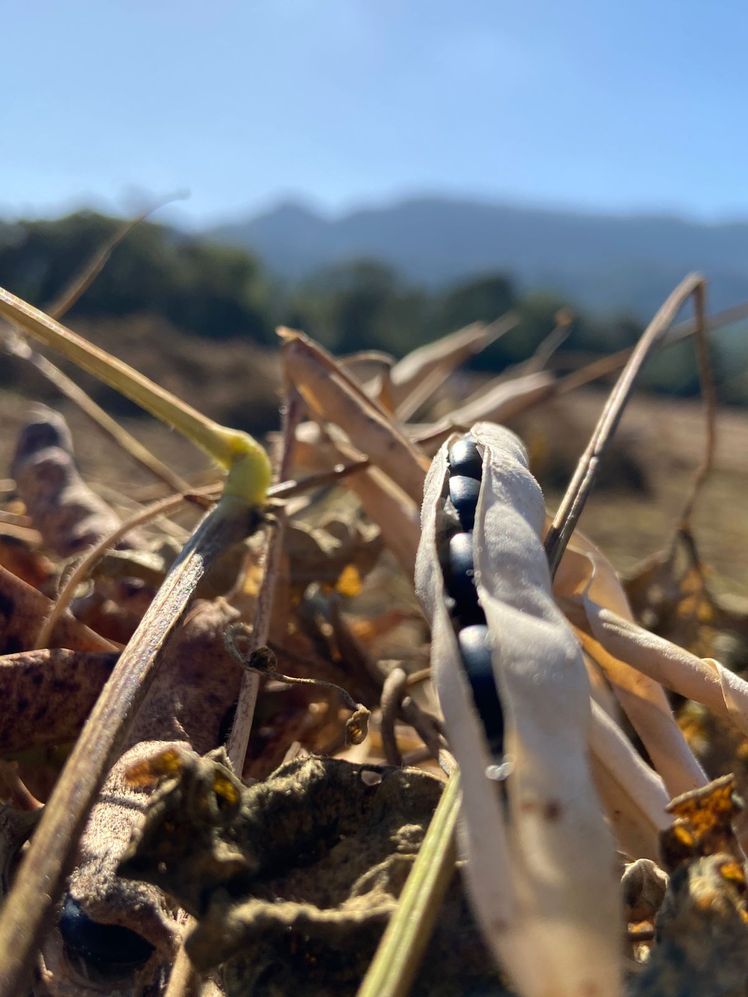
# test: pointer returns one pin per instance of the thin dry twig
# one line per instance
(579, 488)
(85, 277)
(709, 396)
(604, 366)
(18, 347)
(85, 565)
(393, 690)
(245, 709)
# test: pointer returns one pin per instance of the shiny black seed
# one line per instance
(461, 569)
(475, 649)
(460, 581)
(108, 948)
(465, 459)
(464, 495)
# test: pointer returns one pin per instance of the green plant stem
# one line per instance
(41, 876)
(404, 942)
(248, 464)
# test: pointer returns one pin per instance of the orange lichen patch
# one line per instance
(150, 770)
(703, 822)
(349, 581)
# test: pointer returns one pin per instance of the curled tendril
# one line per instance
(238, 640)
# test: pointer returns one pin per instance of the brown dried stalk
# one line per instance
(579, 488)
(245, 708)
(333, 396)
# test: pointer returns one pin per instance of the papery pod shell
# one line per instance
(481, 831)
(563, 855)
(633, 794)
(586, 580)
(540, 873)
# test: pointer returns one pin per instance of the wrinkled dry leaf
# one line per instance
(702, 824)
(22, 610)
(47, 694)
(190, 701)
(292, 880)
(702, 934)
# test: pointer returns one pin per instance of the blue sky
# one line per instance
(620, 107)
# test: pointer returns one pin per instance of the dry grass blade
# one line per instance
(583, 479)
(615, 361)
(41, 875)
(418, 375)
(502, 400)
(57, 309)
(703, 680)
(632, 793)
(91, 270)
(586, 581)
(74, 393)
(332, 396)
(89, 560)
(401, 949)
(548, 346)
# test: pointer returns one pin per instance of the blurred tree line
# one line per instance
(218, 292)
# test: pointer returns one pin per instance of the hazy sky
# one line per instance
(621, 106)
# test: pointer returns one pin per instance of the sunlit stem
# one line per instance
(246, 461)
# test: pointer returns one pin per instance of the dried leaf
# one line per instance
(22, 609)
(703, 823)
(332, 396)
(47, 695)
(293, 879)
(702, 934)
(188, 704)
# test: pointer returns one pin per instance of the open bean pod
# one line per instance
(514, 692)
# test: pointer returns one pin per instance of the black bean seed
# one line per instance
(464, 493)
(475, 648)
(107, 948)
(461, 568)
(460, 581)
(465, 459)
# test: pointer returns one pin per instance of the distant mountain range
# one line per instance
(607, 263)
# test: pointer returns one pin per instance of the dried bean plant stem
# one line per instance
(41, 876)
(404, 942)
(579, 488)
(245, 708)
